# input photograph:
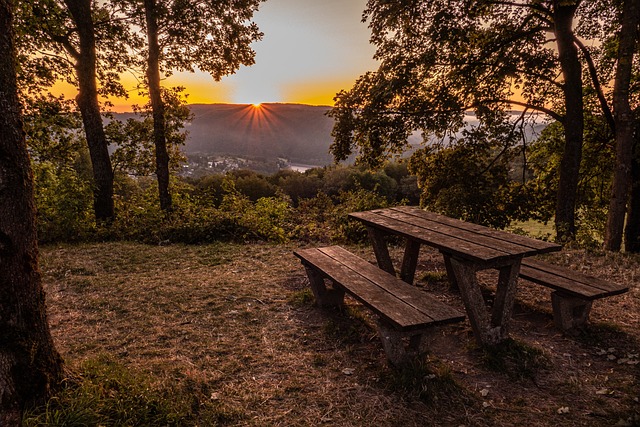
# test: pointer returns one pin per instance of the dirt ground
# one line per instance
(236, 326)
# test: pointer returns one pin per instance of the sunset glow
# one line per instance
(310, 51)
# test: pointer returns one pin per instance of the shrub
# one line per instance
(63, 202)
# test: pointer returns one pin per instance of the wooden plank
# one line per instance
(540, 246)
(569, 281)
(476, 237)
(381, 250)
(416, 298)
(577, 276)
(410, 261)
(394, 310)
(452, 245)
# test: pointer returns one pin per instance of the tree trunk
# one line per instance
(574, 120)
(632, 229)
(90, 110)
(625, 126)
(29, 364)
(157, 106)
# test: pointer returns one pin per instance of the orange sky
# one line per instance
(310, 51)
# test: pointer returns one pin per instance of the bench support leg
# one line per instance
(324, 297)
(505, 297)
(484, 331)
(410, 261)
(453, 284)
(381, 250)
(570, 314)
(398, 352)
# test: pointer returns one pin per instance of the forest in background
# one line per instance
(579, 175)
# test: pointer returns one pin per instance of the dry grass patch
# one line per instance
(230, 334)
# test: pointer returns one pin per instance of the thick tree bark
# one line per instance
(157, 106)
(625, 126)
(90, 109)
(574, 120)
(29, 364)
(632, 229)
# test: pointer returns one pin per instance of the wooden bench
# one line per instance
(574, 291)
(404, 313)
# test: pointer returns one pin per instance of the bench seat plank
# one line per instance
(378, 290)
(437, 311)
(569, 281)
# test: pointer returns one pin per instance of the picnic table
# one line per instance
(467, 248)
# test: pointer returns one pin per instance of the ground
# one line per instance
(236, 328)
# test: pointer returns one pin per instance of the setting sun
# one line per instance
(257, 105)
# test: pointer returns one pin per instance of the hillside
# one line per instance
(300, 133)
(297, 132)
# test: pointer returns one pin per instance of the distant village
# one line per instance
(198, 165)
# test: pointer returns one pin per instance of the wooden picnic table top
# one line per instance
(457, 238)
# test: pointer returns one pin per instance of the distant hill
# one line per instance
(297, 132)
(300, 133)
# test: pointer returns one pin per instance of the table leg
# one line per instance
(453, 284)
(410, 261)
(505, 297)
(465, 275)
(380, 249)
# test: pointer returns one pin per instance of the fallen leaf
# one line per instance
(563, 410)
(348, 371)
(484, 392)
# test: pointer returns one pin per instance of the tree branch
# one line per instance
(596, 84)
(539, 108)
(536, 7)
(66, 43)
(55, 56)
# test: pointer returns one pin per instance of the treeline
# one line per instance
(239, 205)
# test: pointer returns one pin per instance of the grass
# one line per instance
(517, 360)
(228, 334)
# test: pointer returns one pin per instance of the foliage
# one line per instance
(440, 60)
(470, 178)
(64, 203)
(595, 176)
(61, 167)
(354, 201)
(49, 45)
(133, 140)
(239, 206)
(51, 126)
(264, 219)
(215, 37)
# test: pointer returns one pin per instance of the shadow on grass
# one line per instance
(519, 361)
(105, 393)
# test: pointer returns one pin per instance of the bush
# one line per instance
(354, 201)
(63, 202)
